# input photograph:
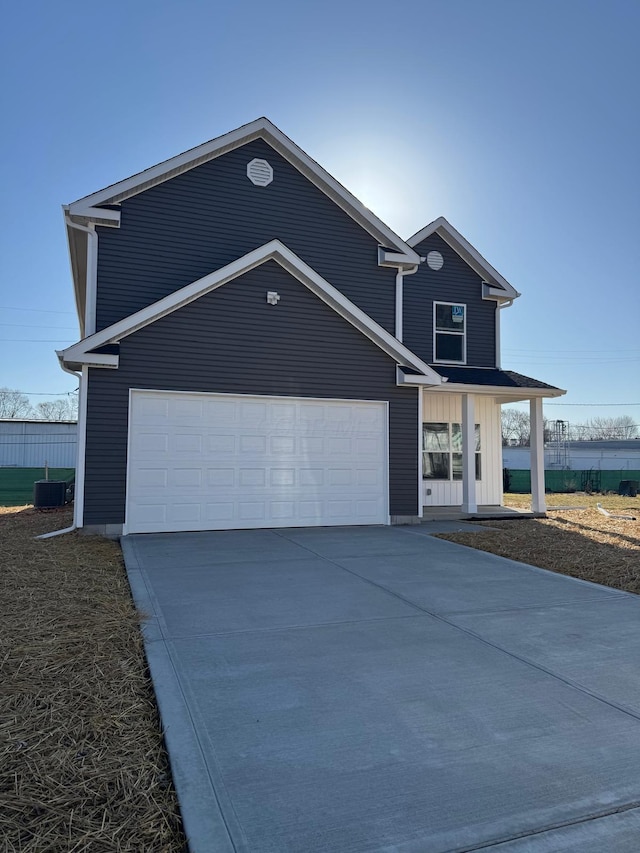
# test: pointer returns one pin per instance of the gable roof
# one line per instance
(498, 286)
(90, 209)
(84, 352)
(261, 128)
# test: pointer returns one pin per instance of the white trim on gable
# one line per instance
(81, 352)
(261, 128)
(494, 285)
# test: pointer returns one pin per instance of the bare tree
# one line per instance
(515, 428)
(14, 404)
(62, 409)
(603, 429)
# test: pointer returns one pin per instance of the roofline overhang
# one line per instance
(510, 395)
(81, 353)
(497, 286)
(261, 128)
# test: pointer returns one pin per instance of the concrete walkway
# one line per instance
(375, 689)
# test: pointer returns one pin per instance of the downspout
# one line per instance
(399, 297)
(399, 331)
(89, 329)
(74, 526)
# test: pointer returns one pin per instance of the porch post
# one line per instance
(469, 504)
(536, 450)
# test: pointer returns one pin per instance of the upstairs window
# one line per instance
(442, 451)
(450, 332)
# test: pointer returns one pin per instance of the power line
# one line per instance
(517, 349)
(34, 326)
(34, 340)
(41, 310)
(570, 359)
(49, 393)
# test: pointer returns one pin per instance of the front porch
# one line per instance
(461, 452)
(483, 512)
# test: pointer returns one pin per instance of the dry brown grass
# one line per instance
(581, 543)
(82, 761)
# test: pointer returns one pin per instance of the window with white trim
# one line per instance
(450, 332)
(442, 451)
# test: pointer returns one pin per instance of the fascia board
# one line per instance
(496, 294)
(90, 359)
(260, 128)
(274, 250)
(467, 252)
(511, 394)
(169, 168)
(404, 379)
(111, 217)
(340, 194)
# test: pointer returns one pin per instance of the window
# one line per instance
(442, 451)
(449, 332)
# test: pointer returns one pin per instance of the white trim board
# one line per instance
(508, 393)
(497, 286)
(80, 353)
(264, 129)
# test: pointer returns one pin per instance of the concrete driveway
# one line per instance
(376, 689)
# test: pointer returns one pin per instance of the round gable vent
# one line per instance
(259, 173)
(435, 260)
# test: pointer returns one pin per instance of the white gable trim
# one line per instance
(80, 353)
(497, 286)
(264, 129)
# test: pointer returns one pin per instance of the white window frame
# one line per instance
(450, 452)
(462, 334)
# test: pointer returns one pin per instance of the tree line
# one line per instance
(516, 431)
(15, 404)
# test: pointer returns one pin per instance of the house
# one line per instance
(259, 350)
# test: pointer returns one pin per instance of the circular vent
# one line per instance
(259, 173)
(435, 260)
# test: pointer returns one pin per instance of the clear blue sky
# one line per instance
(517, 121)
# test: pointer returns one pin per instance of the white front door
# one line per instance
(219, 461)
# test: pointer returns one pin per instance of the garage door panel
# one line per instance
(213, 462)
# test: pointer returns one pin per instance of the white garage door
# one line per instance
(217, 462)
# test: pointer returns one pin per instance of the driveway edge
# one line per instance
(204, 824)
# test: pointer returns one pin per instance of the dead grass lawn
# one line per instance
(581, 543)
(82, 762)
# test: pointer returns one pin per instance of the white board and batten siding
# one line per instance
(447, 408)
(219, 461)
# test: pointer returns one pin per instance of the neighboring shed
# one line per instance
(32, 443)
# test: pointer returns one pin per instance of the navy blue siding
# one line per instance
(454, 282)
(197, 222)
(232, 341)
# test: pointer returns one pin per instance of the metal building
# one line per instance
(34, 443)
